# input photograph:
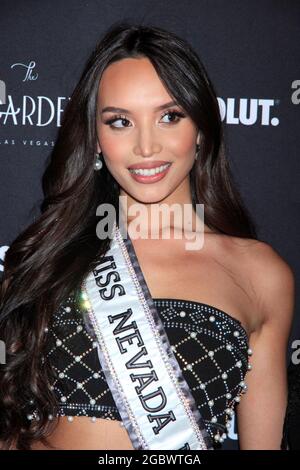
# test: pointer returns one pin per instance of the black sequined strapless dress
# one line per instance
(210, 346)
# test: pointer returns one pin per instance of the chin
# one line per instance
(149, 199)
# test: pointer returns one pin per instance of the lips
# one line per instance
(147, 165)
(149, 179)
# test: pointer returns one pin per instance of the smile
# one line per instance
(149, 175)
(150, 172)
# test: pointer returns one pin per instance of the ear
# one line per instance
(98, 147)
(198, 138)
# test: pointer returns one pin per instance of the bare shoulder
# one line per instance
(264, 263)
(272, 278)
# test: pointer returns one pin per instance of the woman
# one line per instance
(144, 100)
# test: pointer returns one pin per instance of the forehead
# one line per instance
(131, 82)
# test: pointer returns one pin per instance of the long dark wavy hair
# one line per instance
(51, 256)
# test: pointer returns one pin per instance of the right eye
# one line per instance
(114, 119)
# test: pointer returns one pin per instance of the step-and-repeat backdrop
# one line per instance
(251, 50)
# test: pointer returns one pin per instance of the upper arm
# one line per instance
(262, 409)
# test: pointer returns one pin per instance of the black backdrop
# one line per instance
(251, 50)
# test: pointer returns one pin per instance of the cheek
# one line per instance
(185, 149)
(114, 148)
(184, 142)
(184, 153)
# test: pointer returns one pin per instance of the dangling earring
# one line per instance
(197, 151)
(98, 162)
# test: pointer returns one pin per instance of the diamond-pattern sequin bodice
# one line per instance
(210, 346)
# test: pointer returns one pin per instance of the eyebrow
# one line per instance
(113, 109)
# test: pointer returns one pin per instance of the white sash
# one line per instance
(145, 379)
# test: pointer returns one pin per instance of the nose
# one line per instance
(147, 144)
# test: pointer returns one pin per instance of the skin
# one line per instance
(254, 284)
(146, 135)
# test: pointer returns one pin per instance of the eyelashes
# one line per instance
(177, 114)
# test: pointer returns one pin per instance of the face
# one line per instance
(144, 135)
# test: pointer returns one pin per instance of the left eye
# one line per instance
(173, 114)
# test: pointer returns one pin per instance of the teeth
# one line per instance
(150, 172)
